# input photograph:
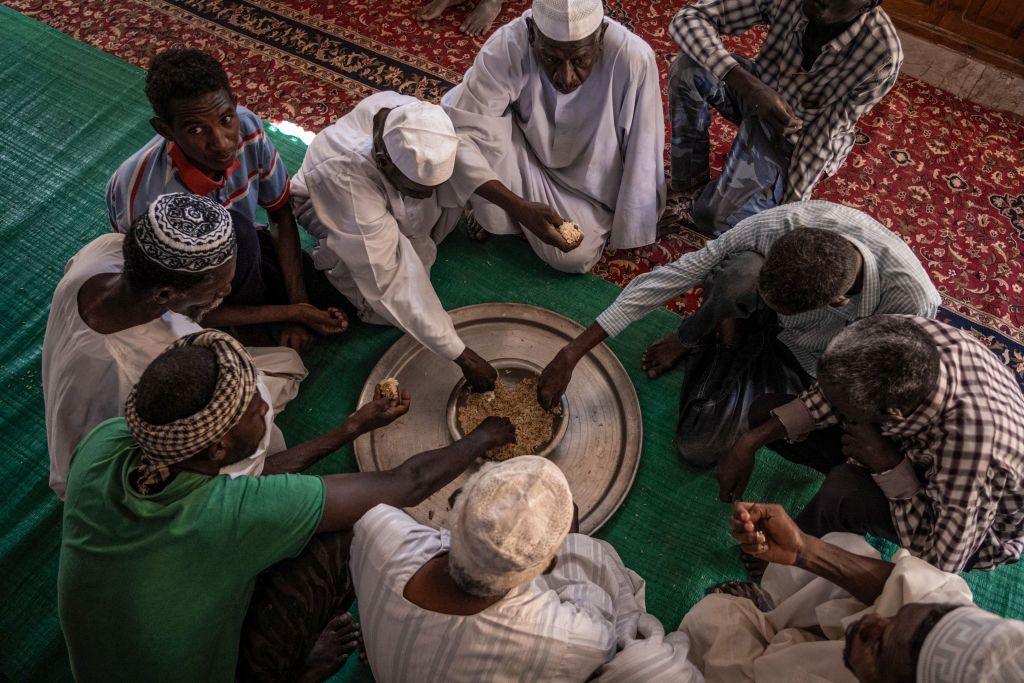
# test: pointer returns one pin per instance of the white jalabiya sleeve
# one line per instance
(380, 259)
(731, 640)
(479, 108)
(591, 576)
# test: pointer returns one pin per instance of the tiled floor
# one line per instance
(962, 75)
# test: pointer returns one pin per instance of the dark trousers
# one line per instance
(719, 383)
(291, 605)
(849, 499)
(259, 280)
(754, 176)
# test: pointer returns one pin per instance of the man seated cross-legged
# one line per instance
(171, 572)
(822, 66)
(123, 300)
(832, 610)
(562, 119)
(211, 146)
(777, 288)
(510, 593)
(917, 428)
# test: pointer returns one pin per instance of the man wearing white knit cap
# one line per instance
(562, 118)
(509, 594)
(373, 189)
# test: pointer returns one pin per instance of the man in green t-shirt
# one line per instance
(170, 572)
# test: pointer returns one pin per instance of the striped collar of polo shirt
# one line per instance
(195, 180)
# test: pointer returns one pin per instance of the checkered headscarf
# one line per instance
(163, 445)
(186, 233)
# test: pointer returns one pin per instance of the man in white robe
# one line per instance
(373, 190)
(832, 610)
(562, 111)
(110, 318)
(508, 594)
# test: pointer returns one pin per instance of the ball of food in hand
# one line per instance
(389, 389)
(571, 233)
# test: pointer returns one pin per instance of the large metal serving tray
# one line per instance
(600, 451)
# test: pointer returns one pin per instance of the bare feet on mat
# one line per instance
(745, 589)
(432, 10)
(663, 355)
(755, 566)
(337, 641)
(476, 232)
(480, 19)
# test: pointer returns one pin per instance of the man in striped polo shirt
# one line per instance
(777, 288)
(208, 145)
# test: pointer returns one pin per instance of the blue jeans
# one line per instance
(754, 176)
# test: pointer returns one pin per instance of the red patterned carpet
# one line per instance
(944, 172)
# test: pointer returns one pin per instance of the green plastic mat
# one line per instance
(70, 114)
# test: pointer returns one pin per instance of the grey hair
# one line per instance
(885, 362)
(806, 269)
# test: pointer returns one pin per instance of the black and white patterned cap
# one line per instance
(186, 233)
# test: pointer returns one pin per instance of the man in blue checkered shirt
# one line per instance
(823, 65)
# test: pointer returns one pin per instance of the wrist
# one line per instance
(807, 552)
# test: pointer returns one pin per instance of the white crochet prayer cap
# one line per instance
(970, 645)
(421, 141)
(567, 20)
(509, 522)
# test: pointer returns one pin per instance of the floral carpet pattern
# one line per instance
(945, 173)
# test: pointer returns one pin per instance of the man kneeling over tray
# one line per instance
(171, 572)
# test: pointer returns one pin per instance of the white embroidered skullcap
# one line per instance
(508, 523)
(567, 20)
(421, 141)
(186, 233)
(969, 645)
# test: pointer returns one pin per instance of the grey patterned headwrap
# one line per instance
(969, 645)
(186, 233)
(166, 444)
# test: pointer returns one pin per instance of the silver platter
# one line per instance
(600, 450)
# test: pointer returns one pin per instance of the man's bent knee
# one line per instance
(687, 74)
(735, 280)
(575, 261)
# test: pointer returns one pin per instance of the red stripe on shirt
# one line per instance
(281, 200)
(135, 186)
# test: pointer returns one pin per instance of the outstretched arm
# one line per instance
(349, 496)
(768, 532)
(556, 376)
(376, 414)
(540, 219)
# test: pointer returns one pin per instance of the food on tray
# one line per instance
(518, 402)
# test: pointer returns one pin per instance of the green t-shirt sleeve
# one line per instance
(273, 517)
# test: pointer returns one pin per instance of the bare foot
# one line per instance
(336, 642)
(663, 355)
(432, 10)
(476, 232)
(745, 589)
(480, 19)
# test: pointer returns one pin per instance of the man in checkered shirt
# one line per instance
(823, 65)
(918, 429)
